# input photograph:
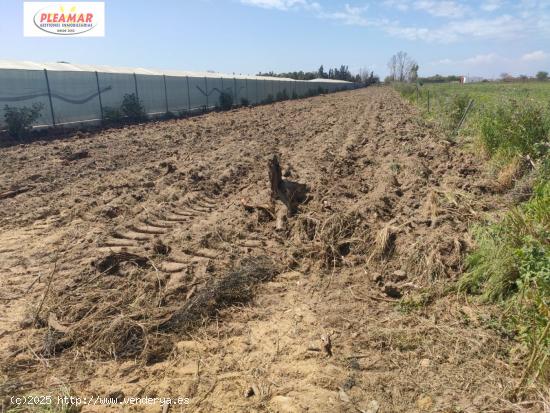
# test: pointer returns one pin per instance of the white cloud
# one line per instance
(283, 4)
(443, 62)
(535, 56)
(499, 27)
(479, 60)
(400, 5)
(350, 16)
(483, 59)
(491, 5)
(502, 27)
(438, 8)
(445, 8)
(462, 27)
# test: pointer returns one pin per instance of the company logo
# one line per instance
(64, 19)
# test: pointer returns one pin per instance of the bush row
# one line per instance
(19, 120)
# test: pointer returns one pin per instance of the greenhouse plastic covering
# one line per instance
(72, 93)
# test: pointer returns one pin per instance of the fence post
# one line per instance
(246, 87)
(49, 96)
(470, 103)
(428, 101)
(188, 96)
(221, 78)
(206, 90)
(165, 93)
(135, 85)
(257, 81)
(236, 91)
(99, 95)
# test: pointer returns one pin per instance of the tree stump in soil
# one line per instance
(288, 192)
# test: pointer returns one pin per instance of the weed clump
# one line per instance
(455, 109)
(511, 265)
(407, 90)
(512, 129)
(282, 95)
(333, 238)
(112, 115)
(225, 101)
(132, 107)
(20, 120)
(168, 115)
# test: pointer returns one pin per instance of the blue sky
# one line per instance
(485, 37)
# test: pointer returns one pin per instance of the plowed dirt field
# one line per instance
(145, 262)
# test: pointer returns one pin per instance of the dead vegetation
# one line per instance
(384, 242)
(119, 311)
(235, 287)
(332, 240)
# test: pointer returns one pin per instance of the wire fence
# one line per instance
(77, 96)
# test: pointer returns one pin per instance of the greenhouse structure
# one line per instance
(75, 94)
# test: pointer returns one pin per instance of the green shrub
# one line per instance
(225, 101)
(407, 90)
(511, 128)
(312, 92)
(282, 95)
(20, 120)
(112, 115)
(168, 115)
(494, 266)
(132, 108)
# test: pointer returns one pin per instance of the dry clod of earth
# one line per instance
(167, 244)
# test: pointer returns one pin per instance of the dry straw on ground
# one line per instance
(119, 316)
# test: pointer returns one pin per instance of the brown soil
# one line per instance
(145, 261)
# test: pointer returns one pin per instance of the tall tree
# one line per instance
(413, 72)
(542, 75)
(403, 68)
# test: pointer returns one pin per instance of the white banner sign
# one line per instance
(64, 19)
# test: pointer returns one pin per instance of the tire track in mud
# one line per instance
(152, 233)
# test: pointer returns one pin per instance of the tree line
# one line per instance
(338, 73)
(541, 75)
(403, 68)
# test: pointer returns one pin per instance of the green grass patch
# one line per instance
(510, 263)
(513, 128)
